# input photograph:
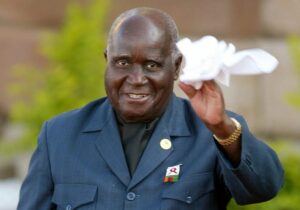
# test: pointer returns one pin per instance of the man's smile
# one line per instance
(137, 95)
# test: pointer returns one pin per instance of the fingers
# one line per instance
(213, 88)
(187, 89)
(209, 87)
(210, 84)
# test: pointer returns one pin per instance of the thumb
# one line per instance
(187, 89)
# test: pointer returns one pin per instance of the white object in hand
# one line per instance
(208, 58)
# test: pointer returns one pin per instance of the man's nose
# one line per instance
(137, 75)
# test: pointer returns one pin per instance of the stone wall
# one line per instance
(248, 24)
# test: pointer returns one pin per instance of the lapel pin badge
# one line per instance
(172, 173)
(165, 144)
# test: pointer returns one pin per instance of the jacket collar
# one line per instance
(174, 118)
(98, 118)
(101, 125)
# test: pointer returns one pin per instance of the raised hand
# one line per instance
(208, 104)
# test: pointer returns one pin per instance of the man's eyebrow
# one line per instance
(155, 59)
(118, 56)
(155, 56)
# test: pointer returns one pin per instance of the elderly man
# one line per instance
(144, 148)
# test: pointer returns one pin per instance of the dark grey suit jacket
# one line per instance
(80, 164)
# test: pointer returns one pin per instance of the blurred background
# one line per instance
(51, 58)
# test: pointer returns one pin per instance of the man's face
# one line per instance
(140, 71)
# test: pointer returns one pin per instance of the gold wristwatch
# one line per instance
(233, 137)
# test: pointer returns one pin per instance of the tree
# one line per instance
(294, 46)
(73, 76)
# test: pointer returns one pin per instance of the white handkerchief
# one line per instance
(208, 58)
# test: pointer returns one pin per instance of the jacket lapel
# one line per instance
(104, 127)
(170, 124)
(153, 155)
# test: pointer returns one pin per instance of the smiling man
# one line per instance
(141, 66)
(144, 148)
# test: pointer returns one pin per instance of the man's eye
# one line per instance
(152, 66)
(122, 63)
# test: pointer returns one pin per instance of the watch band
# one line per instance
(233, 137)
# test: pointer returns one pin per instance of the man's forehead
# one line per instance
(137, 26)
(139, 31)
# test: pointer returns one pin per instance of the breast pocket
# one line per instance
(189, 193)
(75, 196)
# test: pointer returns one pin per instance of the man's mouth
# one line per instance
(136, 96)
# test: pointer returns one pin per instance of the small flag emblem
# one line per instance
(172, 173)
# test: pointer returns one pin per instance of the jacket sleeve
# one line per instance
(258, 177)
(37, 188)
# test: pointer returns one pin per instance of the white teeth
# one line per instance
(136, 96)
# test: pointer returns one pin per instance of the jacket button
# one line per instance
(130, 196)
(69, 207)
(188, 199)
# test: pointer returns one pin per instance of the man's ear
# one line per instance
(178, 61)
(105, 54)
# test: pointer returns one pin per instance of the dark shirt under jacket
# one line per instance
(135, 137)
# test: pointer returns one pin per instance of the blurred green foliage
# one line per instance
(289, 196)
(72, 78)
(294, 48)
